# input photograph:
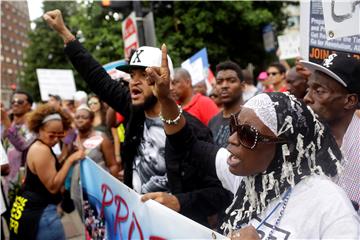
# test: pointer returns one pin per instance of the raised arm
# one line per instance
(159, 78)
(91, 71)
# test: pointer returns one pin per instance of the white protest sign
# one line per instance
(289, 45)
(57, 82)
(342, 18)
(315, 45)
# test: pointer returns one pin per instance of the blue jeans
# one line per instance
(50, 226)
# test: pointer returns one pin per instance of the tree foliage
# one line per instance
(228, 29)
(88, 20)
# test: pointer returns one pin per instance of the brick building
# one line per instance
(15, 24)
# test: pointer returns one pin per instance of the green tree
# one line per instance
(229, 30)
(100, 34)
(45, 49)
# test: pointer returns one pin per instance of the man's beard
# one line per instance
(149, 102)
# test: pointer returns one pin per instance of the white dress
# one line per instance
(317, 208)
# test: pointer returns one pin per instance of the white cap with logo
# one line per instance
(146, 57)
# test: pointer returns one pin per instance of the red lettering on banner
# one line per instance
(118, 217)
(107, 200)
(132, 228)
(105, 188)
(156, 238)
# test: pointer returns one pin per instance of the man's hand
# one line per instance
(159, 78)
(300, 69)
(164, 198)
(245, 233)
(54, 20)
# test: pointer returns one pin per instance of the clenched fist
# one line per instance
(55, 20)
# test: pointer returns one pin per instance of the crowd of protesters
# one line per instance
(282, 156)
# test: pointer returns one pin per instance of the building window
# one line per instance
(9, 71)
(14, 61)
(8, 59)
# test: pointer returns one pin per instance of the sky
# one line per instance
(35, 9)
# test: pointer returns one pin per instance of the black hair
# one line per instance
(28, 95)
(230, 65)
(281, 68)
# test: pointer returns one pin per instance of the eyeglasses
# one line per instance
(77, 117)
(93, 103)
(248, 135)
(272, 73)
(18, 101)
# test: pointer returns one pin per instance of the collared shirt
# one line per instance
(349, 179)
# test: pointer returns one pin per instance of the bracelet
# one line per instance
(172, 121)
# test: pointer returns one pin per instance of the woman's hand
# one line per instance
(245, 233)
(76, 156)
(300, 69)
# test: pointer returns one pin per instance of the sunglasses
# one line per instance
(248, 135)
(17, 101)
(272, 73)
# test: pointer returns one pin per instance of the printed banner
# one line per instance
(113, 211)
(314, 36)
(342, 18)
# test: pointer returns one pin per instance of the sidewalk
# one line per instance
(74, 228)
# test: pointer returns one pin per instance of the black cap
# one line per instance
(57, 97)
(341, 67)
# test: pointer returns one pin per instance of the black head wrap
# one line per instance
(310, 150)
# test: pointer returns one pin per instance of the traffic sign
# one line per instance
(130, 34)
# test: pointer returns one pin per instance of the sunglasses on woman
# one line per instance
(248, 135)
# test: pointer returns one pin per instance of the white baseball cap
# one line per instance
(146, 57)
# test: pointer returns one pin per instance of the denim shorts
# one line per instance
(50, 226)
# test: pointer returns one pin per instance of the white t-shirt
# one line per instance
(317, 208)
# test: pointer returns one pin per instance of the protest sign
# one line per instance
(342, 18)
(114, 211)
(289, 46)
(57, 82)
(198, 67)
(314, 44)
